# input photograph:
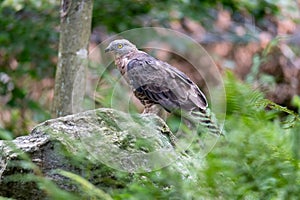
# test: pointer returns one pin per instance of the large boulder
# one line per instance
(96, 141)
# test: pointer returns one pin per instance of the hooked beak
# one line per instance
(107, 49)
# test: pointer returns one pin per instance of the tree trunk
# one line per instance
(75, 29)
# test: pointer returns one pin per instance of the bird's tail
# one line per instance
(205, 122)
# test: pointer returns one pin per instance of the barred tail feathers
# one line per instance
(206, 121)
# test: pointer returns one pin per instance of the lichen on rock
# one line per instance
(102, 140)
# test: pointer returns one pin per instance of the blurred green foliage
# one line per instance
(259, 157)
(117, 17)
(255, 160)
(28, 36)
(29, 41)
(28, 47)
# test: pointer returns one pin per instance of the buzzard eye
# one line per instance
(120, 46)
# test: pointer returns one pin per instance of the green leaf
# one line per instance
(85, 186)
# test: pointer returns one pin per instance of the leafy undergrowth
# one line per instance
(257, 159)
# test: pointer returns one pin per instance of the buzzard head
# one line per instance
(121, 47)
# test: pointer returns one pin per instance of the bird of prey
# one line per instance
(156, 83)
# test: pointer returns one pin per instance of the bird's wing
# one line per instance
(164, 84)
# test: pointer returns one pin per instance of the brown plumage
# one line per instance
(155, 82)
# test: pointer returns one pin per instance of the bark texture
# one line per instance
(75, 32)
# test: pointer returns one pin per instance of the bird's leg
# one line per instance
(155, 109)
(160, 111)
